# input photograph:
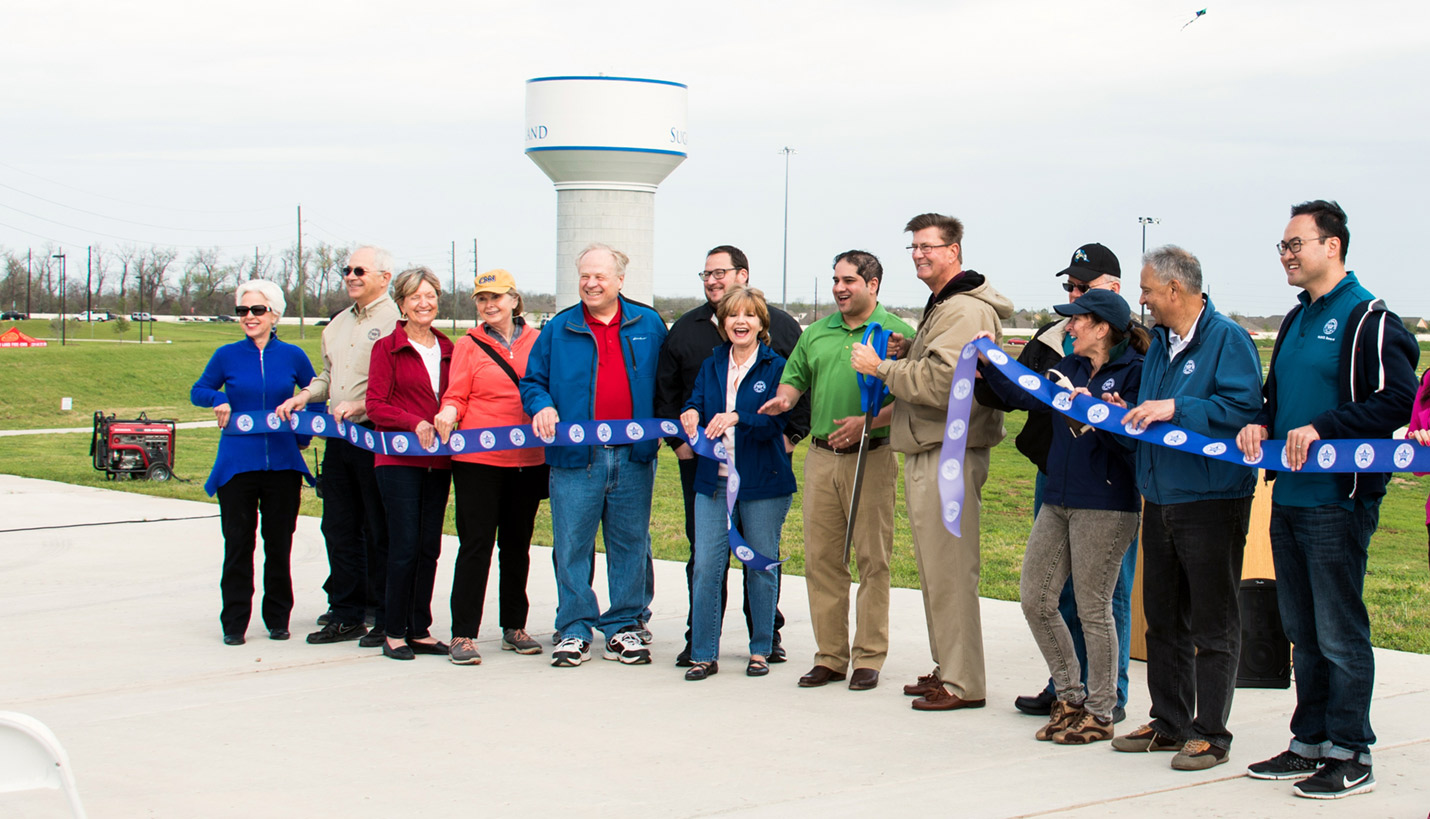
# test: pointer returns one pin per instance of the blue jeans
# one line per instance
(1121, 609)
(614, 493)
(1320, 557)
(760, 521)
(415, 499)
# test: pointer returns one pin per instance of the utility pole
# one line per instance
(89, 284)
(61, 257)
(784, 278)
(29, 258)
(1144, 221)
(302, 282)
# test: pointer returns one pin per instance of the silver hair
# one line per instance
(409, 280)
(381, 257)
(1171, 262)
(621, 259)
(271, 293)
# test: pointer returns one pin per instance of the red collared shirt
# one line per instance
(613, 386)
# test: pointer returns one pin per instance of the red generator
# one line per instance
(134, 448)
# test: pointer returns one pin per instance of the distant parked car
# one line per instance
(138, 316)
(13, 315)
(223, 317)
(95, 315)
(322, 322)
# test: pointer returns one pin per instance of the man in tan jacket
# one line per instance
(961, 305)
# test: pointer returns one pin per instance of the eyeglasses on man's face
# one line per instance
(925, 249)
(358, 271)
(1295, 245)
(718, 274)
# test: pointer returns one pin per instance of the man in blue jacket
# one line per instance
(1202, 374)
(596, 361)
(1343, 367)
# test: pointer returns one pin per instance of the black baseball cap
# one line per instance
(1091, 261)
(1104, 304)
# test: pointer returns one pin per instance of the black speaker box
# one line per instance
(1265, 651)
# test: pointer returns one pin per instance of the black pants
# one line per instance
(687, 488)
(496, 505)
(416, 502)
(1191, 577)
(240, 501)
(357, 558)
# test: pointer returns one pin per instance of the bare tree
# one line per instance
(99, 266)
(205, 276)
(152, 269)
(127, 255)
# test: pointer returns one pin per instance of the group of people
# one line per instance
(740, 373)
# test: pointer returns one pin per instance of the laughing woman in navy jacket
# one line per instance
(734, 381)
(406, 378)
(254, 472)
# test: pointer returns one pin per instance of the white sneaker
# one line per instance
(627, 647)
(571, 652)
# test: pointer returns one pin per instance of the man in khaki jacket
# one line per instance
(961, 305)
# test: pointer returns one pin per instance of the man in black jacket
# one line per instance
(692, 338)
(1092, 267)
(1343, 367)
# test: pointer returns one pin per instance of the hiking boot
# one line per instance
(1060, 716)
(516, 639)
(1285, 765)
(1198, 755)
(1143, 739)
(463, 651)
(1338, 778)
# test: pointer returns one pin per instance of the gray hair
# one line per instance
(409, 280)
(271, 293)
(621, 259)
(381, 257)
(1171, 262)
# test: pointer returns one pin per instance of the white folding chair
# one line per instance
(31, 757)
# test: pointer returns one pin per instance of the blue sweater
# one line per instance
(561, 373)
(1094, 470)
(1216, 384)
(760, 457)
(248, 380)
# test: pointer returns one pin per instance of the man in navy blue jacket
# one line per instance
(1202, 374)
(1343, 367)
(596, 361)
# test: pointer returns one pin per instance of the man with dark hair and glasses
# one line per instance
(357, 557)
(1092, 267)
(688, 344)
(1343, 367)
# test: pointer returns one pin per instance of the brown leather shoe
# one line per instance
(863, 679)
(940, 700)
(820, 675)
(925, 684)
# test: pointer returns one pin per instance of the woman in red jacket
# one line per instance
(406, 377)
(497, 492)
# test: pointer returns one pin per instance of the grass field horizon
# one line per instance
(155, 378)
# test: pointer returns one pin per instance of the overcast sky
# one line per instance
(1042, 125)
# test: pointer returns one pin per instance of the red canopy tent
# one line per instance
(14, 338)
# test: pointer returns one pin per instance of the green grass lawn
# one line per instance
(126, 378)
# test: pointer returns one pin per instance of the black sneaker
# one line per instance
(628, 648)
(1338, 778)
(374, 638)
(325, 618)
(1285, 765)
(571, 652)
(337, 633)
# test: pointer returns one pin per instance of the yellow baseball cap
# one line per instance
(495, 281)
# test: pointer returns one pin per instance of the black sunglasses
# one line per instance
(257, 309)
(357, 271)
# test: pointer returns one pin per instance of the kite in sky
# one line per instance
(1195, 17)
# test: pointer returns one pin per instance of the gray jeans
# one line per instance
(1090, 544)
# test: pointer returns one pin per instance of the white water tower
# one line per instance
(607, 143)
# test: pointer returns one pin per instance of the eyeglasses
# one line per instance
(1295, 244)
(925, 249)
(257, 309)
(358, 271)
(718, 274)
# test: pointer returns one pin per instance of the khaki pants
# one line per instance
(828, 483)
(948, 569)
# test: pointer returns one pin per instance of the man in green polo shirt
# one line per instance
(820, 365)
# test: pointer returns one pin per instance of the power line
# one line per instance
(133, 222)
(114, 236)
(126, 201)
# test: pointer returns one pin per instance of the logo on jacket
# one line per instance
(1097, 413)
(273, 421)
(1404, 454)
(374, 334)
(956, 429)
(1189, 368)
(517, 437)
(1365, 455)
(1108, 384)
(576, 434)
(1326, 456)
(1330, 327)
(759, 386)
(399, 443)
(603, 431)
(245, 423)
(487, 439)
(635, 431)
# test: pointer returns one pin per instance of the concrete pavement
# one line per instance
(111, 638)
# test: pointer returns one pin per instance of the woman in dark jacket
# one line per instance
(734, 381)
(254, 472)
(406, 378)
(1089, 516)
